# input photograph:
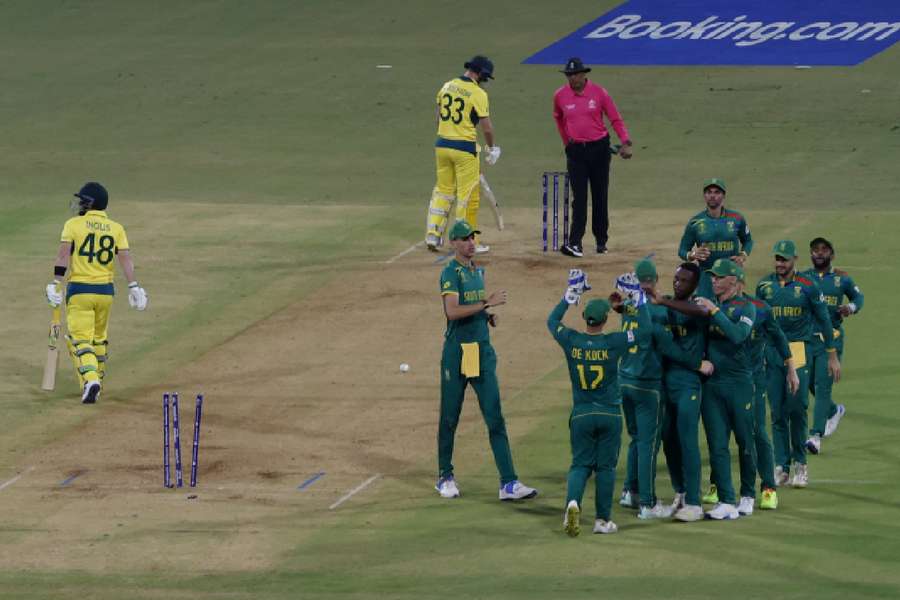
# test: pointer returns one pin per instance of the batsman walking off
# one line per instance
(595, 423)
(469, 358)
(462, 106)
(89, 243)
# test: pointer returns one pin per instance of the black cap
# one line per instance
(574, 65)
(93, 195)
(481, 65)
(821, 240)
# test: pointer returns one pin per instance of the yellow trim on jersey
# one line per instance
(450, 293)
(456, 101)
(95, 239)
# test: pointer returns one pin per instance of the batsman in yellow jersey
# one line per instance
(88, 244)
(462, 106)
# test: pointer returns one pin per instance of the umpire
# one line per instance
(578, 109)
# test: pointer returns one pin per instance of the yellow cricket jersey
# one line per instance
(95, 240)
(461, 103)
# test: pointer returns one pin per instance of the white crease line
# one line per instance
(358, 488)
(405, 252)
(6, 484)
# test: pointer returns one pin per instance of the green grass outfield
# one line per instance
(253, 149)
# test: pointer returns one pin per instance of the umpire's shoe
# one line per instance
(572, 250)
(91, 392)
(515, 490)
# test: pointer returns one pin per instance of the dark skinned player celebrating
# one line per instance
(834, 285)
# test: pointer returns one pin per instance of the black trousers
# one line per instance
(589, 162)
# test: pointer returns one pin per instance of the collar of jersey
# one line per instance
(101, 213)
(468, 267)
(464, 78)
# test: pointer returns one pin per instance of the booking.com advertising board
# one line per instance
(732, 32)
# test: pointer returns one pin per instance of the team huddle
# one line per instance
(715, 352)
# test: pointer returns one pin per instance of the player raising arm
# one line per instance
(595, 423)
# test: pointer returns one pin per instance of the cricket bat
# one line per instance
(49, 382)
(489, 194)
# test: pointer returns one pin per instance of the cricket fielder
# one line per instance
(799, 309)
(89, 243)
(641, 371)
(728, 394)
(468, 358)
(683, 392)
(595, 423)
(462, 106)
(834, 285)
(713, 234)
(768, 345)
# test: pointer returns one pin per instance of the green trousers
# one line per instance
(727, 408)
(821, 384)
(788, 414)
(487, 388)
(704, 286)
(644, 410)
(595, 434)
(765, 458)
(681, 445)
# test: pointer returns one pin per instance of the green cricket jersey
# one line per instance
(593, 360)
(645, 360)
(766, 334)
(689, 334)
(468, 284)
(798, 307)
(727, 236)
(728, 340)
(834, 285)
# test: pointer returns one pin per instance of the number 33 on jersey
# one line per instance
(461, 104)
(95, 240)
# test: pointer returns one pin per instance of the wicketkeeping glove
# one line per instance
(577, 286)
(54, 297)
(137, 297)
(629, 286)
(492, 155)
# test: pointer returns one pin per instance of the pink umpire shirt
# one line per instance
(579, 117)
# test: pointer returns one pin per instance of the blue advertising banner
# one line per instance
(732, 32)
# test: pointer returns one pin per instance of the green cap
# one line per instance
(596, 310)
(716, 181)
(785, 248)
(821, 240)
(461, 230)
(724, 267)
(645, 270)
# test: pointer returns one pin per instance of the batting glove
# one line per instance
(137, 297)
(54, 297)
(493, 154)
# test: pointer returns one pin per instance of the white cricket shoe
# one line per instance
(91, 392)
(689, 513)
(601, 526)
(515, 490)
(831, 424)
(446, 487)
(801, 477)
(722, 512)
(678, 502)
(745, 506)
(814, 444)
(571, 521)
(628, 500)
(782, 476)
(659, 511)
(482, 249)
